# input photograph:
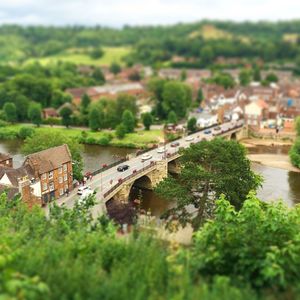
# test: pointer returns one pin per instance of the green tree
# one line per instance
(121, 131)
(207, 55)
(66, 113)
(96, 53)
(59, 98)
(172, 117)
(26, 131)
(256, 74)
(128, 121)
(271, 77)
(115, 68)
(147, 120)
(245, 77)
(176, 97)
(260, 241)
(10, 112)
(200, 96)
(294, 153)
(183, 75)
(94, 119)
(98, 76)
(84, 104)
(192, 124)
(44, 140)
(156, 87)
(297, 126)
(35, 113)
(209, 169)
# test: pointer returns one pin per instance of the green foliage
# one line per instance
(294, 153)
(245, 77)
(209, 169)
(147, 120)
(121, 131)
(128, 121)
(35, 113)
(207, 55)
(94, 118)
(66, 114)
(200, 96)
(10, 112)
(223, 79)
(271, 77)
(297, 126)
(26, 131)
(47, 139)
(96, 53)
(98, 76)
(177, 97)
(85, 102)
(256, 74)
(192, 124)
(172, 117)
(115, 68)
(258, 245)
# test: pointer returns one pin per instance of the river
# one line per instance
(278, 183)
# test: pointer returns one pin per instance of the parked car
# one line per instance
(207, 131)
(122, 168)
(146, 156)
(161, 150)
(175, 144)
(217, 128)
(189, 138)
(83, 189)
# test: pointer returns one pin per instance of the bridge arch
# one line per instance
(142, 183)
(233, 136)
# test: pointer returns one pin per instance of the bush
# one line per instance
(25, 132)
(90, 140)
(103, 141)
(295, 153)
(3, 123)
(52, 121)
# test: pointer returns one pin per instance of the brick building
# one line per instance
(6, 160)
(52, 168)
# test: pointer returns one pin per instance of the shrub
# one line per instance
(25, 132)
(104, 141)
(90, 140)
(3, 123)
(52, 121)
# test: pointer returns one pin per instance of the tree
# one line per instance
(192, 124)
(66, 113)
(200, 96)
(183, 75)
(147, 120)
(43, 140)
(96, 53)
(98, 76)
(207, 55)
(85, 102)
(172, 117)
(26, 131)
(115, 68)
(35, 113)
(59, 98)
(297, 126)
(260, 241)
(245, 77)
(10, 112)
(156, 87)
(121, 131)
(209, 169)
(271, 77)
(128, 121)
(94, 119)
(176, 97)
(256, 74)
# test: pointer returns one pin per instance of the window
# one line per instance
(7, 162)
(50, 175)
(45, 186)
(60, 179)
(65, 167)
(60, 170)
(44, 176)
(51, 186)
(61, 192)
(65, 177)
(66, 187)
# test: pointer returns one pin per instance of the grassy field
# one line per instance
(111, 54)
(139, 139)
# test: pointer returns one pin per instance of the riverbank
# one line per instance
(140, 139)
(254, 142)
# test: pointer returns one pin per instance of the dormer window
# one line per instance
(50, 175)
(65, 167)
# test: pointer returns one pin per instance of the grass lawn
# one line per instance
(111, 54)
(139, 139)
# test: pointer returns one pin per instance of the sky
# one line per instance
(116, 13)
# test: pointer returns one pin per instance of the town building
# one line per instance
(255, 113)
(6, 160)
(52, 168)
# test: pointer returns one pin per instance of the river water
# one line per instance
(278, 183)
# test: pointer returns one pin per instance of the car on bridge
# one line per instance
(175, 144)
(122, 168)
(83, 189)
(86, 194)
(161, 150)
(207, 131)
(189, 138)
(217, 128)
(146, 156)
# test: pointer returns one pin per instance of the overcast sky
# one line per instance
(138, 12)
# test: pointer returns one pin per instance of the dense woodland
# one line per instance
(201, 41)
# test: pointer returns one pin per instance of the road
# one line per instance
(107, 179)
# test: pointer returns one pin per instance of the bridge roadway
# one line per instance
(108, 179)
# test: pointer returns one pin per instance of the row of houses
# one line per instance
(43, 176)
